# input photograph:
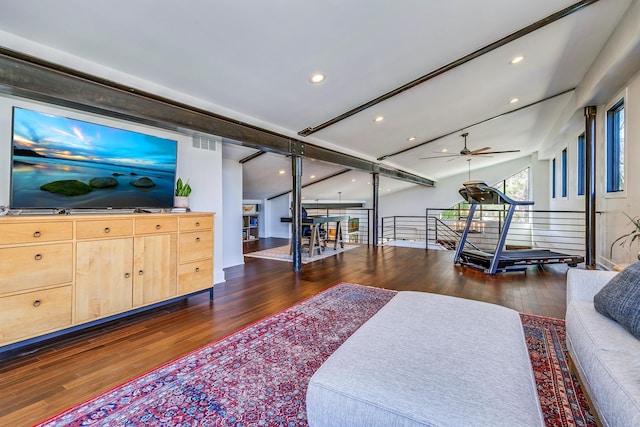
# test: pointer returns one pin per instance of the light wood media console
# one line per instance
(63, 271)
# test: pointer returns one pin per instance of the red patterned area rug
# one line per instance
(258, 376)
(562, 400)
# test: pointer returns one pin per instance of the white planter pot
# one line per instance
(180, 202)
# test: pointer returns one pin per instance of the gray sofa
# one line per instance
(606, 355)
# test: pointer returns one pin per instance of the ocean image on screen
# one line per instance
(65, 163)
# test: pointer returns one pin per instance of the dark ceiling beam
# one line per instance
(251, 157)
(450, 66)
(33, 78)
(413, 147)
(284, 193)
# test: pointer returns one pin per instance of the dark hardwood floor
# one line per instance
(46, 380)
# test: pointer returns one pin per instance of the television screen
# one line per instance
(60, 162)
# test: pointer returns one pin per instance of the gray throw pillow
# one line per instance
(620, 299)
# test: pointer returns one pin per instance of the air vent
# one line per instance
(205, 143)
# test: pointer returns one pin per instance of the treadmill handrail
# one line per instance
(478, 192)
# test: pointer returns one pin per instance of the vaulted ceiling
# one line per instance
(252, 60)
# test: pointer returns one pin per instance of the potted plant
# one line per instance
(630, 237)
(183, 190)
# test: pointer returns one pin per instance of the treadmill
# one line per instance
(478, 193)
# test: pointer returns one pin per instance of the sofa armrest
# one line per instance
(582, 285)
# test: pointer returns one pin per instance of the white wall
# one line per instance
(274, 210)
(614, 74)
(445, 194)
(232, 211)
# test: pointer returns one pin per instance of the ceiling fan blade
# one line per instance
(495, 152)
(479, 150)
(440, 157)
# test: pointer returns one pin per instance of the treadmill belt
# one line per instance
(519, 258)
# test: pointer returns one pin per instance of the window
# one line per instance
(615, 148)
(581, 169)
(515, 187)
(553, 178)
(565, 173)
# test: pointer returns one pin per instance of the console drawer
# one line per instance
(196, 222)
(195, 276)
(33, 313)
(104, 228)
(196, 245)
(31, 232)
(156, 225)
(28, 267)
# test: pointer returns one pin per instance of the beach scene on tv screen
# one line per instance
(60, 162)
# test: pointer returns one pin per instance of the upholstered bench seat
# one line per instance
(429, 360)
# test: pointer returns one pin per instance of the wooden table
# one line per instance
(315, 222)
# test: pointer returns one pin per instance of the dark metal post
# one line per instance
(590, 186)
(296, 211)
(426, 229)
(376, 188)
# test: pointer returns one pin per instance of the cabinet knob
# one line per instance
(107, 229)
(37, 303)
(127, 275)
(197, 239)
(158, 226)
(37, 234)
(198, 224)
(140, 273)
(38, 257)
(197, 269)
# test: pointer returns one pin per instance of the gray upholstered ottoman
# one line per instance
(427, 359)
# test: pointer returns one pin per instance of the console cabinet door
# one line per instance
(155, 276)
(104, 278)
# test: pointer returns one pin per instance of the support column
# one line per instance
(590, 186)
(296, 212)
(376, 189)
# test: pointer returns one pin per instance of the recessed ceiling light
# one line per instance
(411, 138)
(516, 60)
(513, 100)
(353, 180)
(281, 172)
(312, 176)
(444, 150)
(369, 183)
(378, 119)
(316, 78)
(388, 189)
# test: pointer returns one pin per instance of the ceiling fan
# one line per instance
(466, 152)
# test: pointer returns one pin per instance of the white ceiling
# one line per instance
(251, 60)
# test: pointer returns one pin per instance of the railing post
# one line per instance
(395, 229)
(426, 230)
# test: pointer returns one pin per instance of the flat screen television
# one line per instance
(64, 163)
